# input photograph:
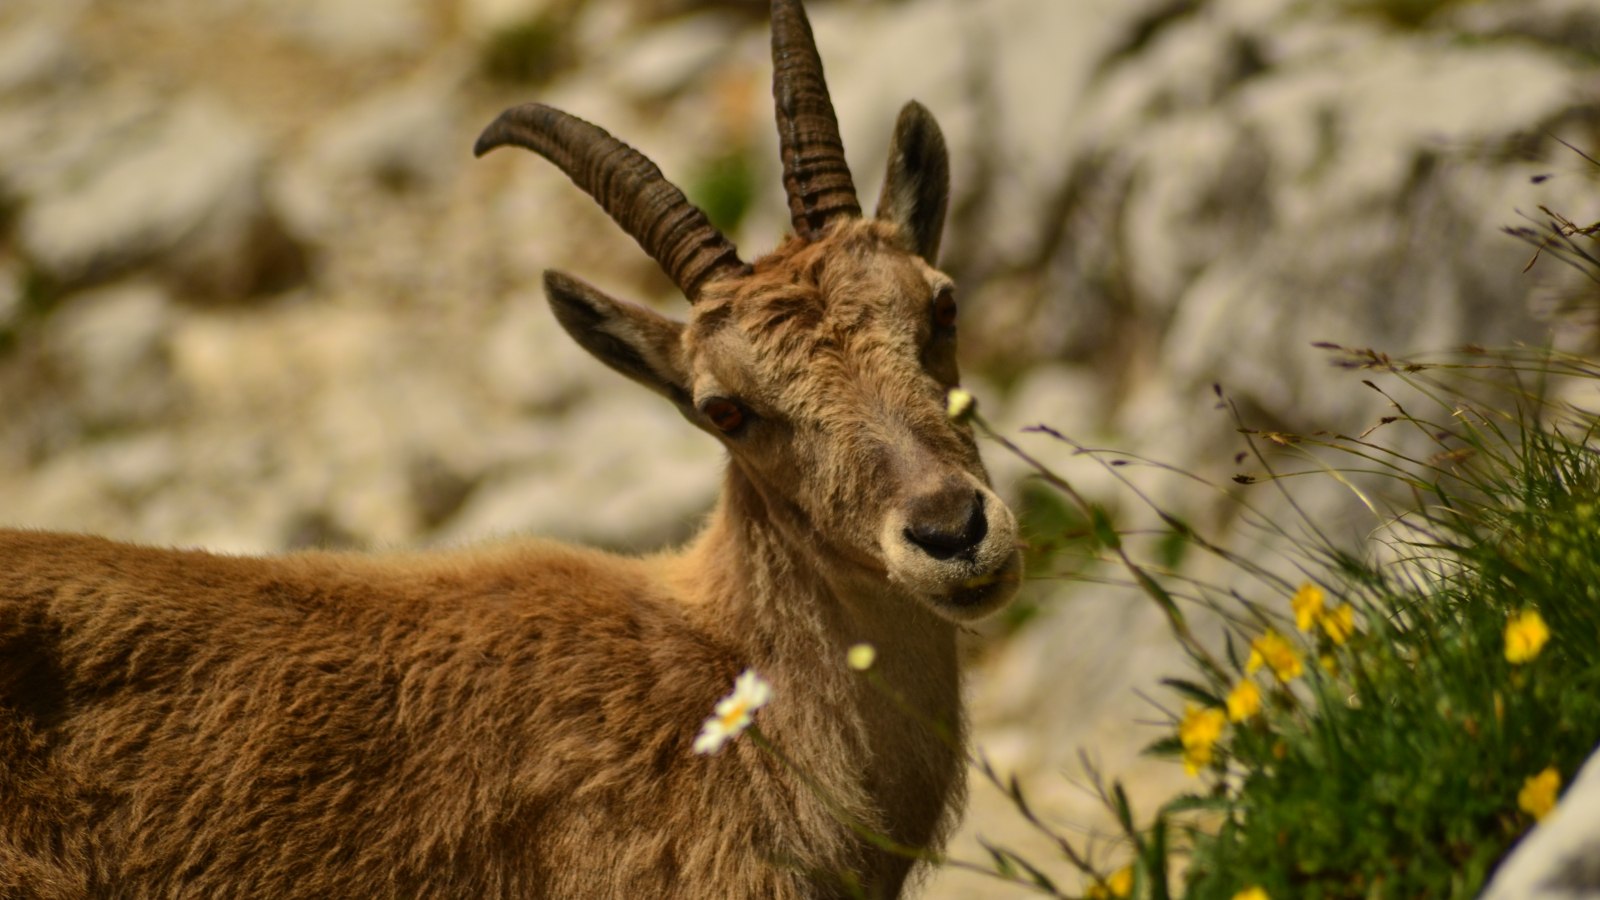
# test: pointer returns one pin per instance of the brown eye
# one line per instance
(725, 414)
(944, 310)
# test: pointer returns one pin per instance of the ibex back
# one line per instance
(516, 721)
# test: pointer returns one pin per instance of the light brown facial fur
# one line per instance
(834, 350)
(516, 721)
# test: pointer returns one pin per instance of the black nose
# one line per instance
(948, 523)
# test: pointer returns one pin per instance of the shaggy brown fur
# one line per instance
(512, 722)
(516, 721)
(505, 722)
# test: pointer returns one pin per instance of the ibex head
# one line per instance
(824, 366)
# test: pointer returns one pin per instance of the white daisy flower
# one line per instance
(733, 712)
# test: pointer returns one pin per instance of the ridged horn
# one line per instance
(814, 172)
(627, 185)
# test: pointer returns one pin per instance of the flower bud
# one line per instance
(960, 405)
(861, 657)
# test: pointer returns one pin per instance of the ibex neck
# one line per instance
(768, 588)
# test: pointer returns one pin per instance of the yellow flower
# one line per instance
(1526, 635)
(1329, 663)
(1253, 893)
(1121, 882)
(1339, 623)
(1272, 651)
(733, 712)
(1119, 885)
(1538, 794)
(959, 405)
(1307, 603)
(1244, 701)
(1198, 731)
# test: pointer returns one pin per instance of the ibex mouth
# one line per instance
(955, 548)
(991, 590)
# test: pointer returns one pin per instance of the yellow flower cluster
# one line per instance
(1201, 728)
(1119, 885)
(1254, 893)
(1273, 651)
(1526, 635)
(1339, 623)
(1539, 793)
(1244, 701)
(1197, 732)
(1310, 610)
(1307, 603)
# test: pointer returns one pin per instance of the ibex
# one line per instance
(517, 720)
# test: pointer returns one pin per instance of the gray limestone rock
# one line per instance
(178, 187)
(352, 28)
(399, 141)
(37, 57)
(1573, 24)
(110, 346)
(1560, 858)
(624, 471)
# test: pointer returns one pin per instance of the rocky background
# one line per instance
(255, 293)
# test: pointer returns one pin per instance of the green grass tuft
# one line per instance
(724, 189)
(1395, 768)
(528, 52)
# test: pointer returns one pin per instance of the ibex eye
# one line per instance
(944, 310)
(725, 414)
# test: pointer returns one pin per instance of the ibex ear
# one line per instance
(641, 344)
(916, 190)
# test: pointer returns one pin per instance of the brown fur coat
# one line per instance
(512, 721)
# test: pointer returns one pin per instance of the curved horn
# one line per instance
(627, 185)
(814, 172)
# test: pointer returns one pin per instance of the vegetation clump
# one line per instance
(1384, 721)
(531, 51)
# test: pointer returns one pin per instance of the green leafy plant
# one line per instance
(724, 188)
(529, 52)
(1386, 720)
(1407, 752)
(1383, 724)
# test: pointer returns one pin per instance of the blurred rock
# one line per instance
(1560, 858)
(342, 28)
(399, 140)
(90, 488)
(481, 18)
(1285, 194)
(665, 59)
(11, 295)
(179, 188)
(36, 57)
(437, 489)
(530, 362)
(1574, 24)
(654, 10)
(625, 471)
(1399, 201)
(111, 345)
(1069, 400)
